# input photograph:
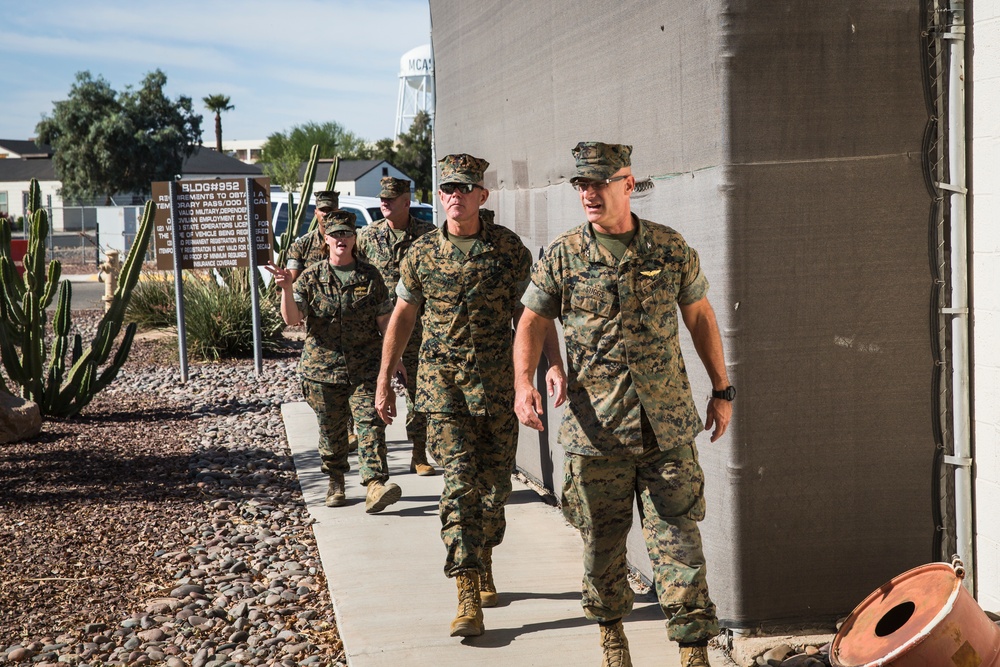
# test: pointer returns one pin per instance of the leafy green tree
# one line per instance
(106, 142)
(413, 154)
(282, 155)
(217, 104)
(383, 149)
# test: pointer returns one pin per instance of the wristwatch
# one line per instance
(727, 394)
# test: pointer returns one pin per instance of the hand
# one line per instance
(720, 412)
(282, 277)
(555, 380)
(385, 399)
(528, 405)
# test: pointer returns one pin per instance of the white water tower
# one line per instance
(416, 86)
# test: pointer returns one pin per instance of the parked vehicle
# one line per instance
(365, 208)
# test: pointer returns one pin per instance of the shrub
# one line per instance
(217, 313)
(153, 305)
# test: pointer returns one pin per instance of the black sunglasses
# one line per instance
(583, 184)
(464, 188)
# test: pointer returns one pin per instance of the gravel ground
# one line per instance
(165, 524)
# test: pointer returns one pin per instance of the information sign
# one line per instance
(212, 223)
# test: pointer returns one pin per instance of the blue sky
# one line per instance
(282, 62)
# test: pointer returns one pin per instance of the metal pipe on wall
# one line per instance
(959, 310)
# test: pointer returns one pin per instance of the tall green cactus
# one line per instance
(296, 214)
(60, 390)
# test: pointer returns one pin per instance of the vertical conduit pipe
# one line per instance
(434, 168)
(962, 459)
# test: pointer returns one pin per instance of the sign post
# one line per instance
(175, 238)
(222, 223)
(254, 296)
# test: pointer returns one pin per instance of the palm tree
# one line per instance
(218, 104)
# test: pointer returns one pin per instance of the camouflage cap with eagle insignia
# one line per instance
(461, 168)
(393, 187)
(327, 200)
(596, 160)
(341, 221)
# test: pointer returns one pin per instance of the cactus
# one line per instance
(60, 392)
(295, 215)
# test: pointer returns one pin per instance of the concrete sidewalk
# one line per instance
(394, 604)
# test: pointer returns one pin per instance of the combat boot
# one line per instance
(418, 462)
(335, 496)
(487, 587)
(694, 656)
(381, 495)
(615, 646)
(469, 619)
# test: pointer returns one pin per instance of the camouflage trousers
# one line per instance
(598, 494)
(416, 422)
(477, 455)
(334, 404)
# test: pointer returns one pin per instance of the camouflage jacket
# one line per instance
(466, 357)
(343, 344)
(306, 251)
(620, 325)
(375, 243)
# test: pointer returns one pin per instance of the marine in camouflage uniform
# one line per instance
(465, 376)
(384, 247)
(311, 248)
(631, 422)
(340, 356)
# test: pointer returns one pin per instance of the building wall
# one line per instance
(16, 196)
(985, 237)
(783, 140)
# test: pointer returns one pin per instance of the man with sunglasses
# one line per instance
(616, 283)
(468, 277)
(346, 307)
(384, 243)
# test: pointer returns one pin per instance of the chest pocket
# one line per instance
(361, 298)
(441, 285)
(490, 283)
(601, 304)
(325, 305)
(657, 290)
(658, 300)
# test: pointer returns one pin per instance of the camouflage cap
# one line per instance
(393, 187)
(596, 160)
(327, 200)
(341, 221)
(462, 168)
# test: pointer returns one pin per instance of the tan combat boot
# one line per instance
(694, 656)
(335, 496)
(488, 587)
(380, 496)
(615, 646)
(469, 619)
(418, 462)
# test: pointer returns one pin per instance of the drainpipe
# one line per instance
(434, 168)
(959, 311)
